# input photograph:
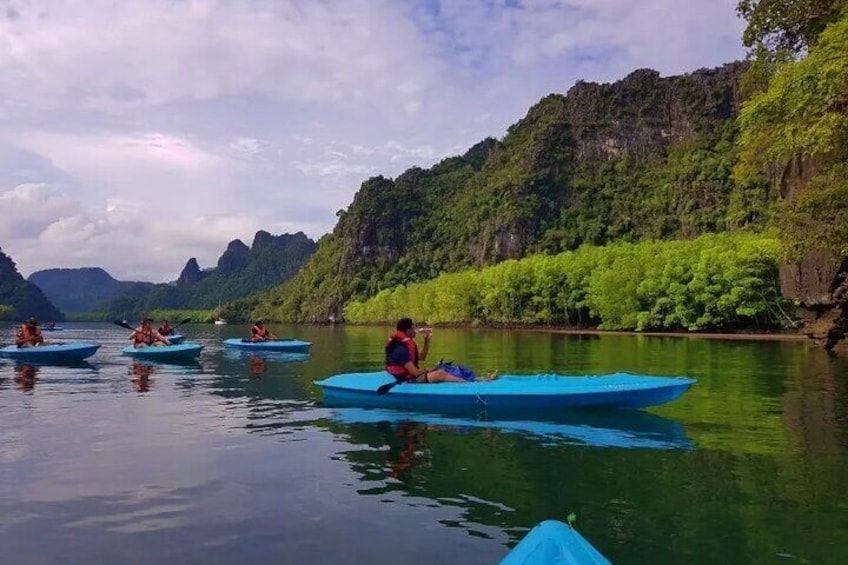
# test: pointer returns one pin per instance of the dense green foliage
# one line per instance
(642, 158)
(786, 26)
(712, 282)
(797, 130)
(241, 271)
(24, 298)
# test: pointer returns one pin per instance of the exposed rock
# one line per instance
(235, 258)
(191, 274)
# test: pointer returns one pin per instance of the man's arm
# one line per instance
(422, 355)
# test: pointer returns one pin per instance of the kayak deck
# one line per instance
(181, 351)
(285, 345)
(553, 542)
(545, 391)
(71, 351)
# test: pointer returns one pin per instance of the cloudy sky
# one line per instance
(135, 134)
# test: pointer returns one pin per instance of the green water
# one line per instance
(756, 471)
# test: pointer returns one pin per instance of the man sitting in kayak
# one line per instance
(145, 335)
(260, 333)
(402, 357)
(166, 329)
(29, 334)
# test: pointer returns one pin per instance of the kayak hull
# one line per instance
(507, 393)
(282, 345)
(65, 353)
(553, 543)
(181, 351)
(175, 339)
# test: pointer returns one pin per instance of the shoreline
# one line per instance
(730, 336)
(741, 335)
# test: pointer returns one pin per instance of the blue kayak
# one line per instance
(56, 353)
(175, 339)
(628, 429)
(508, 392)
(553, 543)
(284, 345)
(154, 352)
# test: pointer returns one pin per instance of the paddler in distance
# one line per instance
(145, 336)
(29, 334)
(260, 333)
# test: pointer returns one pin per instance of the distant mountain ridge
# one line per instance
(239, 272)
(86, 289)
(20, 299)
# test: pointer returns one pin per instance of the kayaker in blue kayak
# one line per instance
(145, 336)
(403, 356)
(29, 334)
(166, 329)
(260, 333)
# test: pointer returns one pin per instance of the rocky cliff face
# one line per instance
(235, 258)
(191, 274)
(644, 157)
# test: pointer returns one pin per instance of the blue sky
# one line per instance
(137, 134)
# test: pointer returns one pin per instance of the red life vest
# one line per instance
(261, 332)
(399, 371)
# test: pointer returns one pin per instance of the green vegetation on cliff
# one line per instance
(19, 298)
(642, 158)
(711, 282)
(795, 132)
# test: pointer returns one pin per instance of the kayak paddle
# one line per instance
(123, 324)
(387, 387)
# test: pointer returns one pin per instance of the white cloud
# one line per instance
(193, 122)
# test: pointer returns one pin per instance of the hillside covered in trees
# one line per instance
(749, 146)
(20, 299)
(643, 158)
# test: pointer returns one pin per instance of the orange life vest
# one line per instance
(261, 332)
(399, 371)
(28, 333)
(144, 336)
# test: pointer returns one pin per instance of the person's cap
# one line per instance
(146, 320)
(32, 321)
(259, 320)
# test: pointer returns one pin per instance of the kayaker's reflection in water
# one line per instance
(257, 365)
(407, 449)
(141, 376)
(25, 376)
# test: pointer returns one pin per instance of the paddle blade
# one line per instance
(187, 320)
(123, 324)
(386, 387)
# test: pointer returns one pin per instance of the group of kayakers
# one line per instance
(403, 357)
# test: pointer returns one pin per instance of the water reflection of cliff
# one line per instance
(815, 406)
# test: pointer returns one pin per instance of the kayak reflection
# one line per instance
(141, 376)
(26, 376)
(634, 429)
(266, 355)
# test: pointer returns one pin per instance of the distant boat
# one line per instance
(220, 322)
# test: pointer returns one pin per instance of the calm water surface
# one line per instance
(233, 459)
